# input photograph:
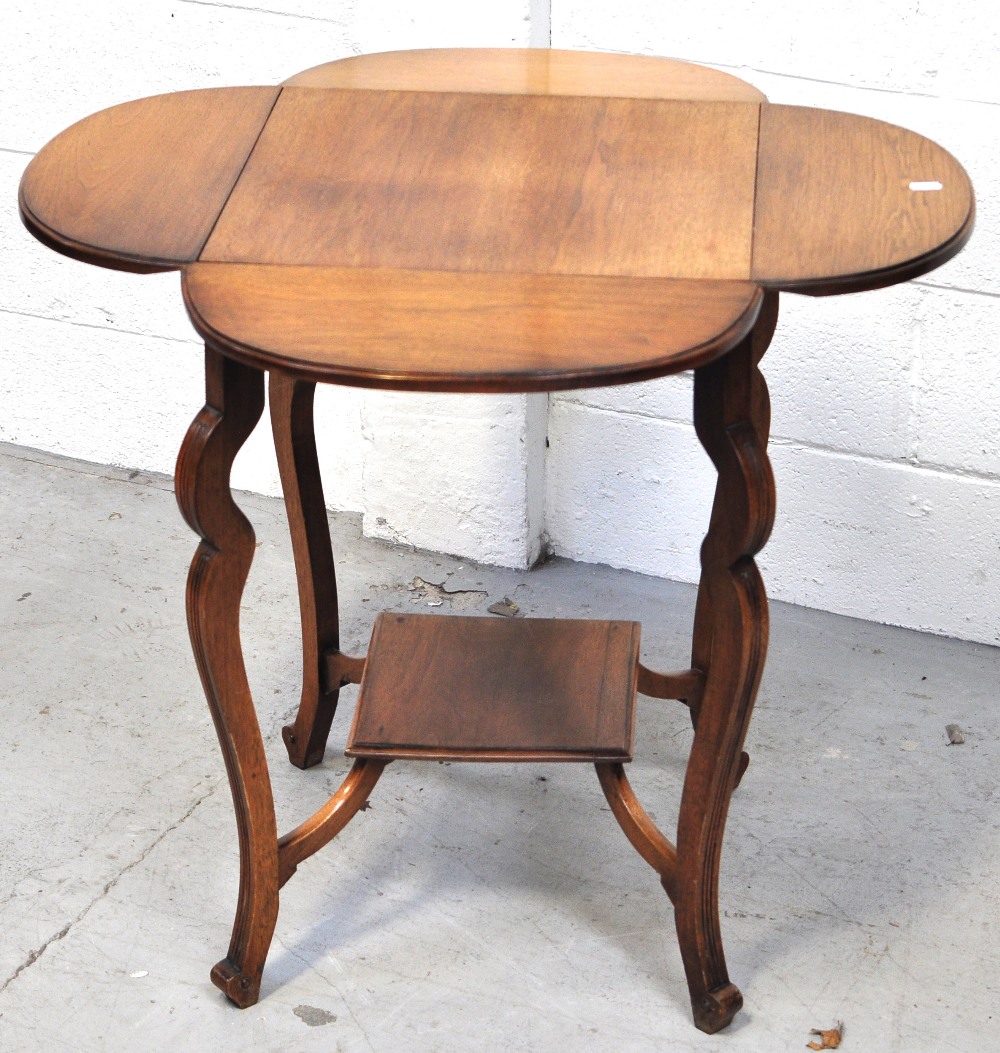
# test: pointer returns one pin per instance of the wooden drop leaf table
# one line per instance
(489, 221)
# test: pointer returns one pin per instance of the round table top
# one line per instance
(494, 220)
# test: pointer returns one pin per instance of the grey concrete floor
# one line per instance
(471, 907)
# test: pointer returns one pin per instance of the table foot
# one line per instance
(243, 991)
(715, 1009)
(291, 405)
(741, 769)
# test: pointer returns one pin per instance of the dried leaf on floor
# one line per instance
(507, 609)
(829, 1039)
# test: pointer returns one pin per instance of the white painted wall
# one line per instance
(886, 429)
(886, 422)
(105, 366)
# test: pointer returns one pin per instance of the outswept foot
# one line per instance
(242, 991)
(715, 1009)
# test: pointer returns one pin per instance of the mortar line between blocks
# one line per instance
(957, 289)
(263, 11)
(817, 447)
(103, 328)
(845, 84)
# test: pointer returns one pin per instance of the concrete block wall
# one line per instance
(886, 405)
(886, 419)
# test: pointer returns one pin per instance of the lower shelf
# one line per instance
(437, 687)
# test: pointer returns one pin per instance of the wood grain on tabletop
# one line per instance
(489, 689)
(144, 181)
(465, 331)
(535, 71)
(835, 210)
(538, 184)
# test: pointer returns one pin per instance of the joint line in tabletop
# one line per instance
(239, 175)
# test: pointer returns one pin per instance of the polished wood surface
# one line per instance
(520, 183)
(463, 163)
(465, 332)
(684, 686)
(466, 688)
(846, 203)
(535, 71)
(139, 186)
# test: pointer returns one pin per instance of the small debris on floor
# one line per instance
(955, 735)
(830, 1039)
(507, 609)
(435, 594)
(138, 974)
(314, 1017)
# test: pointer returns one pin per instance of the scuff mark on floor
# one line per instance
(314, 1017)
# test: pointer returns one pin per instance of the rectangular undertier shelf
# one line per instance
(487, 689)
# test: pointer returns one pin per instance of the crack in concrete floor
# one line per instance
(109, 886)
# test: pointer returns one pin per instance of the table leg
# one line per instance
(234, 403)
(732, 419)
(291, 402)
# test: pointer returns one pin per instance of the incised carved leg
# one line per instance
(732, 419)
(233, 405)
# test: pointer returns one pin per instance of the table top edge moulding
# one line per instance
(488, 220)
(420, 330)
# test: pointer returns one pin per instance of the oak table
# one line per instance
(489, 221)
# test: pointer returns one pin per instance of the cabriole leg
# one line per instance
(233, 405)
(732, 420)
(291, 402)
